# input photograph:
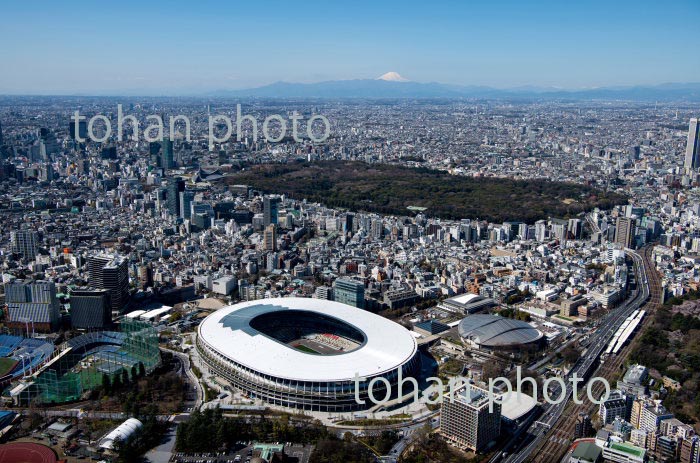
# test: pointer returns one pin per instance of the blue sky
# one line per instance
(192, 47)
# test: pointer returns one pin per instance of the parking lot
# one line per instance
(297, 453)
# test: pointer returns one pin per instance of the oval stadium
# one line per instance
(304, 353)
(493, 333)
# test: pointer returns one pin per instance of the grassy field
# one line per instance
(306, 349)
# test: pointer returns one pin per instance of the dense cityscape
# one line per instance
(323, 232)
(112, 251)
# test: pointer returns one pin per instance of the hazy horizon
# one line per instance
(176, 48)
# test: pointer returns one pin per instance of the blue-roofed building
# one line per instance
(6, 418)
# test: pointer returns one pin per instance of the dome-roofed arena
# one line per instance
(304, 353)
(491, 332)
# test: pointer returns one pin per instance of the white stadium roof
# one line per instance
(387, 346)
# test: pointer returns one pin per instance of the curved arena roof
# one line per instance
(122, 432)
(516, 405)
(385, 345)
(494, 331)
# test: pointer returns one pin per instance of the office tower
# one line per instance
(584, 427)
(377, 229)
(173, 189)
(690, 450)
(24, 243)
(465, 420)
(624, 231)
(540, 230)
(692, 149)
(1, 139)
(32, 306)
(186, 199)
(348, 223)
(153, 148)
(558, 229)
(270, 238)
(90, 309)
(575, 228)
(270, 210)
(350, 292)
(82, 130)
(167, 162)
(110, 272)
(154, 153)
(202, 215)
(614, 406)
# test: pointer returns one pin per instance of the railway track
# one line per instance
(558, 440)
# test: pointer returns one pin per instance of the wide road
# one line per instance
(609, 324)
(186, 371)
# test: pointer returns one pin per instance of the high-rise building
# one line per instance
(202, 215)
(377, 229)
(540, 230)
(690, 450)
(636, 413)
(90, 309)
(32, 304)
(186, 199)
(153, 148)
(270, 210)
(173, 189)
(350, 292)
(348, 223)
(465, 420)
(624, 231)
(110, 272)
(82, 130)
(574, 228)
(615, 406)
(584, 427)
(24, 243)
(667, 448)
(692, 149)
(558, 229)
(651, 416)
(1, 139)
(168, 160)
(270, 238)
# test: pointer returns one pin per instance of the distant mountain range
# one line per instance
(393, 87)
